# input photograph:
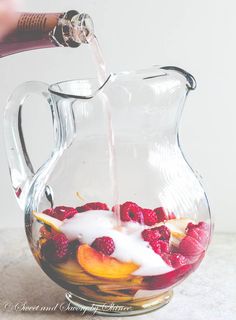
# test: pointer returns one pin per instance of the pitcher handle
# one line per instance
(20, 166)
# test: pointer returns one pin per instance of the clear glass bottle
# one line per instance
(45, 30)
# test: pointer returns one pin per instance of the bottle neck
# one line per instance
(43, 30)
(36, 23)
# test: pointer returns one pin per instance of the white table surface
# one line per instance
(208, 294)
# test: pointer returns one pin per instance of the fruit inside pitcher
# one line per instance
(85, 251)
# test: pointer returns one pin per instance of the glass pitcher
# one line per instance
(116, 216)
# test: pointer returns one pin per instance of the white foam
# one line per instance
(129, 245)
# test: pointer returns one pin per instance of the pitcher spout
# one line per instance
(190, 80)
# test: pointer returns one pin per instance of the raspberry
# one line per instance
(161, 214)
(193, 233)
(149, 217)
(56, 249)
(190, 247)
(105, 245)
(92, 206)
(191, 226)
(199, 232)
(201, 225)
(61, 212)
(151, 234)
(177, 260)
(49, 212)
(61, 244)
(160, 246)
(164, 232)
(130, 211)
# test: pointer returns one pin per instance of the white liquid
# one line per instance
(102, 75)
(129, 245)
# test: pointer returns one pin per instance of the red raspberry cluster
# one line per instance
(191, 246)
(158, 238)
(130, 211)
(184, 259)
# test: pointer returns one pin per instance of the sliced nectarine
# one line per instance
(103, 266)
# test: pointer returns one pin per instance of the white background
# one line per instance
(198, 36)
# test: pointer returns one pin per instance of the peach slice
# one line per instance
(103, 266)
(50, 221)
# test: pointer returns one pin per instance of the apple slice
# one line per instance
(99, 265)
(50, 221)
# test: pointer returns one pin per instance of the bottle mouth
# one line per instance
(73, 29)
(82, 28)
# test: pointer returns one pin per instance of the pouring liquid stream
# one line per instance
(103, 75)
